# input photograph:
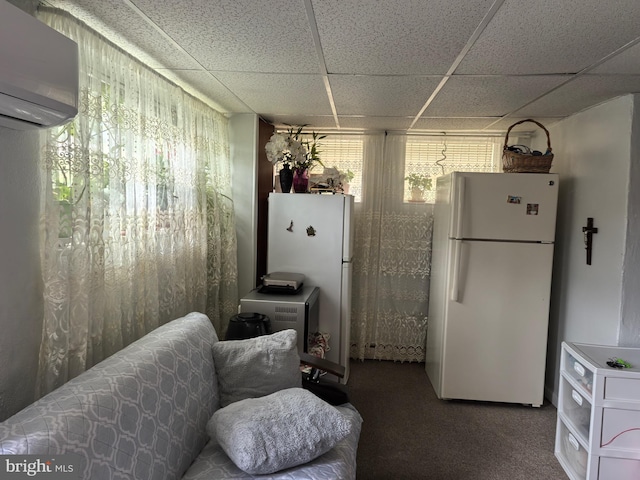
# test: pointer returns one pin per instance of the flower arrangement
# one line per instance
(291, 149)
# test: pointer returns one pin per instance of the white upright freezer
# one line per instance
(312, 234)
(491, 272)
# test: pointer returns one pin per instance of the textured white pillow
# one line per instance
(282, 430)
(257, 366)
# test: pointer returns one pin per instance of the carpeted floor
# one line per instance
(409, 434)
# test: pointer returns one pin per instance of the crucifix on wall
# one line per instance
(588, 232)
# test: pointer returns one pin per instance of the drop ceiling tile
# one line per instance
(381, 95)
(239, 35)
(380, 44)
(278, 94)
(488, 96)
(503, 124)
(627, 62)
(551, 36)
(583, 92)
(205, 86)
(122, 26)
(375, 123)
(444, 124)
(392, 37)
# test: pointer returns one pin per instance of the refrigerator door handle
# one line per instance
(458, 207)
(455, 278)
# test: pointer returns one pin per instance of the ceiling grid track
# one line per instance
(175, 44)
(474, 37)
(452, 65)
(322, 64)
(571, 78)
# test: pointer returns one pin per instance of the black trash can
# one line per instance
(248, 325)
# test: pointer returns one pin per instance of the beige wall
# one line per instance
(243, 134)
(593, 156)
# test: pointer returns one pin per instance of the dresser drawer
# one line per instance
(620, 430)
(576, 408)
(626, 389)
(619, 469)
(572, 452)
(579, 372)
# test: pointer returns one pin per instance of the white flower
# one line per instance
(290, 149)
(276, 147)
(297, 150)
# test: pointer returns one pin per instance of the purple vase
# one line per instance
(300, 180)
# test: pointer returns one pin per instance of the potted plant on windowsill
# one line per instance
(343, 180)
(418, 184)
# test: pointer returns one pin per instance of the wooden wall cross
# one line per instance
(588, 231)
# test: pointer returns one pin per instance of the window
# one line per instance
(428, 156)
(433, 156)
(344, 152)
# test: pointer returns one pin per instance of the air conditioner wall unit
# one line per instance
(38, 72)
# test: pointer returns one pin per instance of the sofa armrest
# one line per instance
(322, 364)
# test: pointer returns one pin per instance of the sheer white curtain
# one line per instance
(392, 261)
(137, 222)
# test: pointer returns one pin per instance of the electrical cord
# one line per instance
(616, 436)
(444, 155)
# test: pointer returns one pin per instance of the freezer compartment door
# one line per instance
(504, 206)
(306, 234)
(495, 338)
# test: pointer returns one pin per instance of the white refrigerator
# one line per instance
(490, 285)
(312, 234)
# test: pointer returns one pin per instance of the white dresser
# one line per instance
(598, 428)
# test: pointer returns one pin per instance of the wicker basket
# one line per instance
(515, 162)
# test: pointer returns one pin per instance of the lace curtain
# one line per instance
(393, 259)
(392, 265)
(136, 218)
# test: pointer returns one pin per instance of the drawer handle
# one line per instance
(579, 368)
(576, 397)
(574, 442)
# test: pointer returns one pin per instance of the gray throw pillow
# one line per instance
(282, 430)
(257, 366)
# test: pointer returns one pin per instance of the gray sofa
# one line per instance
(143, 413)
